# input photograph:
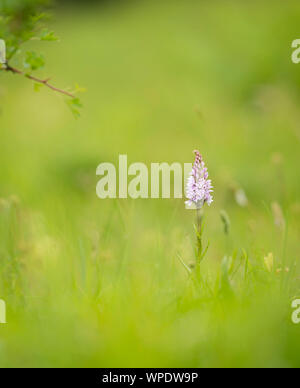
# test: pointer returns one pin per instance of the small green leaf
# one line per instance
(39, 17)
(49, 36)
(79, 89)
(37, 87)
(34, 61)
(75, 106)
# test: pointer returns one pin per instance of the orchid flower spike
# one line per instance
(199, 187)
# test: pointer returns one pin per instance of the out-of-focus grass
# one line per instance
(98, 283)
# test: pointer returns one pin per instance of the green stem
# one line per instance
(199, 236)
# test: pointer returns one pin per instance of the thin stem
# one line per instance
(199, 221)
(38, 80)
(199, 235)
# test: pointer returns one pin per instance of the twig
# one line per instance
(38, 80)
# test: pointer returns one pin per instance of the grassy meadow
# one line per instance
(98, 283)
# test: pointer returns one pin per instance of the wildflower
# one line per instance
(199, 187)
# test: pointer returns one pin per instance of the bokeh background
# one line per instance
(98, 283)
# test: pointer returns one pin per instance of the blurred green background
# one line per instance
(98, 283)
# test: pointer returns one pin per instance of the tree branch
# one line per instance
(38, 80)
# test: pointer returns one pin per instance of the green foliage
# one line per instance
(49, 36)
(22, 21)
(34, 61)
(37, 87)
(75, 105)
